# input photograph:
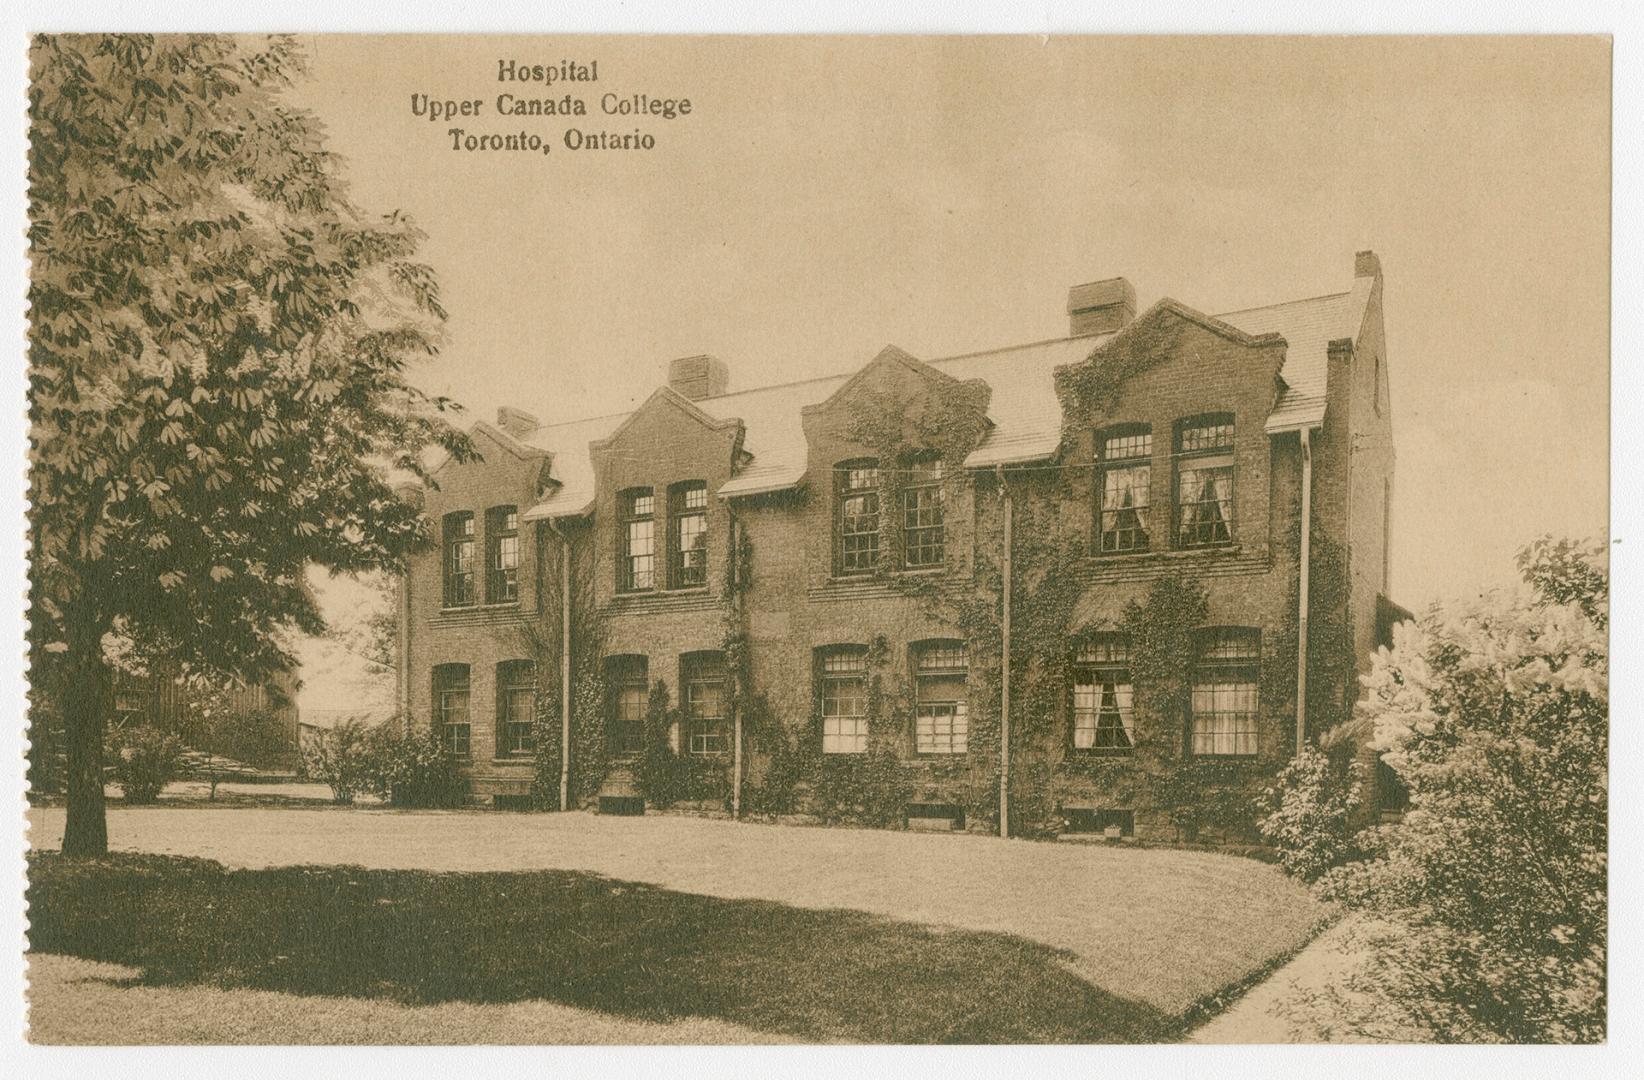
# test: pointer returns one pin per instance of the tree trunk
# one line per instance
(87, 702)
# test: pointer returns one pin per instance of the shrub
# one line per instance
(145, 761)
(341, 757)
(414, 768)
(868, 788)
(1310, 807)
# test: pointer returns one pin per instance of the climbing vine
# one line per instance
(665, 776)
(1089, 390)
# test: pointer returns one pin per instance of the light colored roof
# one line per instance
(1024, 409)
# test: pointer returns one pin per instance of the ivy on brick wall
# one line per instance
(1089, 390)
(666, 777)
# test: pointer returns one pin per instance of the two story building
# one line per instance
(1082, 581)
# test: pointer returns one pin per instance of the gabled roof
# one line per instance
(1024, 410)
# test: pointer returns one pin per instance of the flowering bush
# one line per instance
(414, 768)
(342, 758)
(1310, 808)
(145, 761)
(1488, 904)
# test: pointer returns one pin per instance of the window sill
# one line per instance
(1078, 752)
(1167, 555)
(504, 605)
(1223, 757)
(514, 759)
(874, 575)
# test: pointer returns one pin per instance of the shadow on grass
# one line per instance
(580, 939)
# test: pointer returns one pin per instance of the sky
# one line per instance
(826, 197)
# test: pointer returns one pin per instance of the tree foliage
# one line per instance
(218, 357)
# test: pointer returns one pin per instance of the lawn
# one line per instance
(814, 934)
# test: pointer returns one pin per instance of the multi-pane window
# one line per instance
(630, 697)
(1124, 477)
(1103, 694)
(1224, 691)
(845, 700)
(688, 551)
(922, 530)
(502, 555)
(1204, 481)
(858, 484)
(703, 676)
(451, 718)
(459, 559)
(941, 713)
(637, 570)
(516, 707)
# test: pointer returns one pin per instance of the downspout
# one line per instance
(1004, 665)
(403, 666)
(736, 711)
(1306, 560)
(564, 666)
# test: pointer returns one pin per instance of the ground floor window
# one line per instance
(1103, 718)
(1225, 686)
(706, 715)
(516, 707)
(942, 713)
(451, 719)
(630, 697)
(844, 693)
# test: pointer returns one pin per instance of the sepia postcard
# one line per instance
(613, 540)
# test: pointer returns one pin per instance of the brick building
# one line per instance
(907, 560)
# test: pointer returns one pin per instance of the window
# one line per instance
(703, 676)
(858, 517)
(451, 719)
(516, 706)
(1124, 471)
(688, 516)
(845, 700)
(459, 559)
(630, 699)
(922, 529)
(502, 555)
(637, 571)
(1204, 481)
(941, 714)
(130, 700)
(1224, 691)
(1102, 695)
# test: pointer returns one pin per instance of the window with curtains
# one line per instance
(459, 559)
(1204, 481)
(501, 555)
(1103, 719)
(707, 726)
(942, 709)
(844, 691)
(516, 707)
(688, 534)
(451, 719)
(923, 533)
(1225, 684)
(636, 570)
(1124, 467)
(857, 484)
(630, 696)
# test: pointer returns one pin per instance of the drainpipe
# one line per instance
(1004, 666)
(736, 712)
(564, 666)
(1306, 560)
(402, 668)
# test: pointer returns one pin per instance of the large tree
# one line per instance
(219, 344)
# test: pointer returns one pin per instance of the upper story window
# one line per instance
(844, 690)
(516, 706)
(451, 719)
(1124, 465)
(688, 534)
(942, 710)
(630, 697)
(706, 727)
(1103, 693)
(1204, 481)
(923, 534)
(459, 559)
(1225, 683)
(636, 570)
(502, 555)
(858, 496)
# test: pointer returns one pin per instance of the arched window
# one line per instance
(1103, 718)
(688, 534)
(516, 707)
(1204, 481)
(843, 678)
(857, 496)
(707, 728)
(1124, 481)
(942, 709)
(451, 718)
(501, 555)
(630, 697)
(636, 568)
(1226, 681)
(458, 538)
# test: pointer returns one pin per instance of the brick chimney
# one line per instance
(516, 422)
(1365, 264)
(1100, 307)
(699, 377)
